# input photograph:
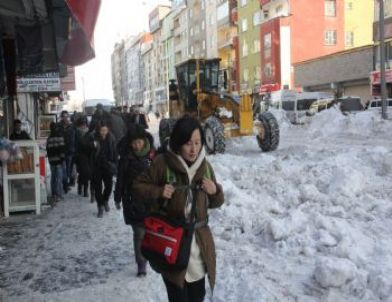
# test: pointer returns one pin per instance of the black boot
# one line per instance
(80, 189)
(85, 190)
(106, 205)
(100, 211)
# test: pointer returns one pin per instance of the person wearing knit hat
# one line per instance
(136, 154)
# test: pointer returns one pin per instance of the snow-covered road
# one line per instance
(309, 222)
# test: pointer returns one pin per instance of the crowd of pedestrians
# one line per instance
(116, 151)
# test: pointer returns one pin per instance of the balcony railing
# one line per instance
(226, 42)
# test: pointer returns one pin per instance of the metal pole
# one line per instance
(382, 62)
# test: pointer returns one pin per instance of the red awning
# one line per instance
(80, 47)
(375, 77)
(269, 87)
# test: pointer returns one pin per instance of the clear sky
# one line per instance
(117, 19)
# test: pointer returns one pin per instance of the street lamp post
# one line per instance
(382, 61)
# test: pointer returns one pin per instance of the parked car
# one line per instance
(350, 104)
(376, 104)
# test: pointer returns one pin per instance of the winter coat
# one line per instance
(84, 152)
(105, 155)
(131, 166)
(150, 186)
(22, 135)
(68, 132)
(100, 118)
(55, 149)
(118, 127)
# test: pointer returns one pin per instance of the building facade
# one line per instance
(228, 46)
(180, 26)
(375, 75)
(159, 66)
(345, 73)
(197, 47)
(117, 72)
(358, 21)
(211, 29)
(249, 19)
(135, 69)
(148, 94)
(289, 27)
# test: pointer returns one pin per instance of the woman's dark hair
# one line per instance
(136, 132)
(182, 132)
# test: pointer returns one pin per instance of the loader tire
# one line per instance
(165, 129)
(214, 133)
(268, 134)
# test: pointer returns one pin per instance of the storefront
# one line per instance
(37, 42)
(375, 78)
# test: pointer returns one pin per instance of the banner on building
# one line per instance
(46, 82)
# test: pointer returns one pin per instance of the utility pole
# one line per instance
(384, 114)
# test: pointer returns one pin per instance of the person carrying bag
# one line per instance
(182, 223)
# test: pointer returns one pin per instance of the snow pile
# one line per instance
(363, 124)
(334, 272)
(311, 221)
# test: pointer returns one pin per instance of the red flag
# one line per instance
(80, 46)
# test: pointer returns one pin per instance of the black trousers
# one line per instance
(192, 292)
(103, 185)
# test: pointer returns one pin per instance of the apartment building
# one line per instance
(249, 20)
(228, 46)
(295, 31)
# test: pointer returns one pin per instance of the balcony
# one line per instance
(226, 42)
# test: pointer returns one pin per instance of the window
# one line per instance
(191, 51)
(202, 4)
(256, 46)
(191, 31)
(257, 18)
(349, 38)
(349, 5)
(268, 70)
(267, 45)
(257, 73)
(190, 13)
(266, 14)
(330, 8)
(203, 25)
(243, 2)
(278, 9)
(204, 44)
(245, 49)
(246, 75)
(244, 24)
(330, 37)
(222, 11)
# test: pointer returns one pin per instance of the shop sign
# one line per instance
(46, 82)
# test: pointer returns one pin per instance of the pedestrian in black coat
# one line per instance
(136, 154)
(104, 167)
(84, 159)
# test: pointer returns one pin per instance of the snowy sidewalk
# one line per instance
(68, 254)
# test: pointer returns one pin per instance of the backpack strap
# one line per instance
(170, 176)
(208, 173)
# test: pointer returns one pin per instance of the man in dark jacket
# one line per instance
(100, 116)
(67, 130)
(117, 124)
(136, 154)
(55, 149)
(18, 133)
(83, 158)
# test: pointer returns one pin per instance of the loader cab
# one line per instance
(195, 76)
